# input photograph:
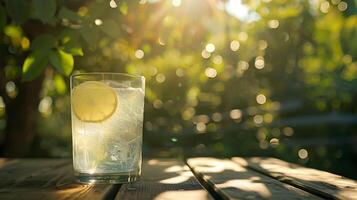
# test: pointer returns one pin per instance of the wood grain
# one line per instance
(322, 183)
(234, 181)
(164, 179)
(45, 179)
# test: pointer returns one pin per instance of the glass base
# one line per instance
(107, 178)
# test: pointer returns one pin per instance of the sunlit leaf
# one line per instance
(13, 31)
(34, 64)
(123, 8)
(62, 61)
(68, 35)
(2, 17)
(43, 42)
(44, 10)
(60, 84)
(19, 10)
(70, 42)
(73, 48)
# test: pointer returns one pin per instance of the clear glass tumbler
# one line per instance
(107, 121)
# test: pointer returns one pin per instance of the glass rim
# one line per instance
(107, 73)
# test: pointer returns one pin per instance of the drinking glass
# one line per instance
(107, 121)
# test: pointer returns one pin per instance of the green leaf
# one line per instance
(68, 35)
(13, 31)
(123, 8)
(70, 43)
(97, 9)
(44, 10)
(60, 84)
(12, 72)
(111, 28)
(2, 18)
(34, 64)
(90, 35)
(66, 13)
(62, 61)
(19, 10)
(73, 48)
(43, 42)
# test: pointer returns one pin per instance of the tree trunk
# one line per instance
(21, 118)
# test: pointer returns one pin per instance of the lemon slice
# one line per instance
(94, 101)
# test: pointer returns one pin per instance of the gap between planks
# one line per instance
(164, 179)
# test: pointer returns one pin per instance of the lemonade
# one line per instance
(107, 120)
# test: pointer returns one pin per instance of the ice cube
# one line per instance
(122, 156)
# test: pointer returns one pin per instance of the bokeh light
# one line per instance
(217, 59)
(217, 117)
(274, 23)
(45, 106)
(25, 43)
(139, 54)
(303, 154)
(234, 45)
(268, 118)
(258, 119)
(180, 72)
(274, 142)
(160, 78)
(113, 4)
(176, 3)
(324, 7)
(210, 72)
(288, 131)
(201, 127)
(342, 6)
(261, 99)
(11, 89)
(98, 22)
(158, 104)
(259, 62)
(210, 48)
(205, 54)
(235, 114)
(188, 113)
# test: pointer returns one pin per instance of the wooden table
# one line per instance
(196, 178)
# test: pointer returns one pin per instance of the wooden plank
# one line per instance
(45, 179)
(234, 181)
(164, 179)
(321, 183)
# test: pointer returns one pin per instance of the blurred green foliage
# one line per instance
(276, 82)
